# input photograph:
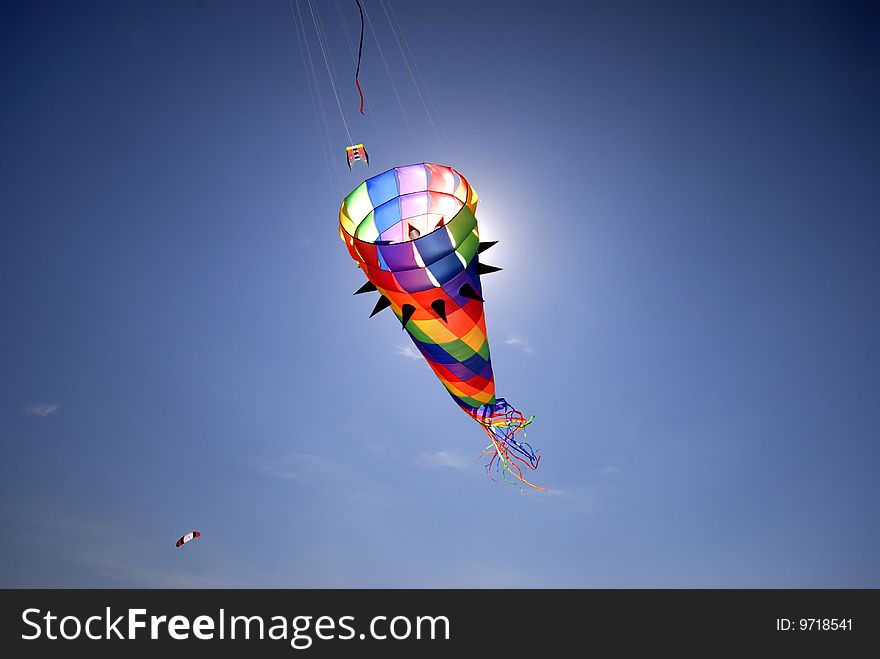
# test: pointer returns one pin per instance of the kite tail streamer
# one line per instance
(502, 422)
(360, 50)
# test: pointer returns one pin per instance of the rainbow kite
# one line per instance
(413, 232)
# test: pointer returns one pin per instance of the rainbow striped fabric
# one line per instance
(413, 231)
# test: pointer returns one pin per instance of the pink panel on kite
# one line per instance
(441, 179)
(412, 178)
(413, 205)
(395, 233)
(444, 205)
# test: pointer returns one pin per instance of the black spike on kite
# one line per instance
(468, 291)
(440, 307)
(369, 287)
(383, 303)
(483, 269)
(408, 311)
(482, 247)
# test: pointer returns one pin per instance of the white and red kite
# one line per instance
(187, 538)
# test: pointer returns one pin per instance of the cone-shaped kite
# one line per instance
(413, 231)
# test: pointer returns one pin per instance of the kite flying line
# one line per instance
(418, 71)
(388, 71)
(405, 58)
(356, 152)
(319, 32)
(314, 92)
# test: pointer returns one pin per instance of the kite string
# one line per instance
(323, 38)
(318, 31)
(388, 71)
(417, 69)
(409, 69)
(317, 89)
(345, 28)
(323, 130)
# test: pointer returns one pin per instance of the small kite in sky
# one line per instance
(189, 536)
(356, 153)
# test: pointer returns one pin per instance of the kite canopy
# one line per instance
(356, 153)
(413, 231)
(189, 536)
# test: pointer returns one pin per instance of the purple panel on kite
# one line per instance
(454, 285)
(487, 371)
(399, 256)
(461, 371)
(414, 280)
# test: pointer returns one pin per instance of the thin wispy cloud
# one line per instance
(409, 352)
(304, 467)
(520, 342)
(42, 409)
(442, 459)
(609, 470)
(365, 435)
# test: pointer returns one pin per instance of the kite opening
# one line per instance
(405, 204)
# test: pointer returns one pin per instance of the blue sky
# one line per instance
(685, 199)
